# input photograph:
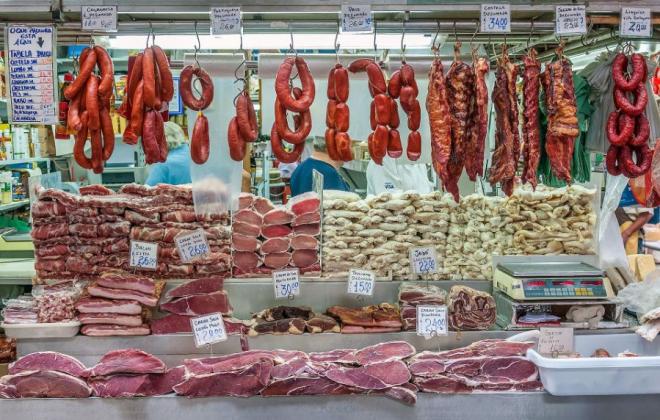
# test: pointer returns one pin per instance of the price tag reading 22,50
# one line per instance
(361, 282)
(144, 255)
(423, 260)
(286, 283)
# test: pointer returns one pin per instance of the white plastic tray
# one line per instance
(602, 376)
(52, 330)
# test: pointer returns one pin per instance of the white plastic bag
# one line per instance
(642, 297)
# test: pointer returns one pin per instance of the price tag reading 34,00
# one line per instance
(361, 282)
(192, 245)
(286, 283)
(423, 260)
(208, 329)
(431, 320)
(496, 17)
(144, 255)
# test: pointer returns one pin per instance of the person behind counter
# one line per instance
(176, 169)
(301, 178)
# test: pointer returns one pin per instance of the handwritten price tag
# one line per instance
(144, 255)
(570, 20)
(356, 18)
(192, 245)
(635, 22)
(286, 283)
(99, 18)
(496, 17)
(208, 329)
(556, 340)
(361, 282)
(431, 320)
(423, 260)
(225, 20)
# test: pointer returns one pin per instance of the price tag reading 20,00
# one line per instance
(361, 282)
(423, 260)
(286, 283)
(144, 255)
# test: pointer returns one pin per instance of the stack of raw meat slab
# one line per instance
(267, 237)
(412, 295)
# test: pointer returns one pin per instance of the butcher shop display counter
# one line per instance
(16, 271)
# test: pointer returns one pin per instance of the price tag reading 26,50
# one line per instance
(286, 283)
(208, 329)
(192, 245)
(361, 282)
(144, 255)
(423, 260)
(496, 17)
(431, 320)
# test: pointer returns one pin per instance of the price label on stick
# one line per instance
(635, 22)
(356, 18)
(225, 20)
(192, 245)
(570, 20)
(496, 17)
(423, 260)
(144, 255)
(286, 283)
(361, 282)
(431, 320)
(99, 18)
(556, 340)
(208, 329)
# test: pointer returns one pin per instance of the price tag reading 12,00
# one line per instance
(423, 260)
(208, 329)
(286, 283)
(431, 320)
(361, 282)
(144, 255)
(192, 245)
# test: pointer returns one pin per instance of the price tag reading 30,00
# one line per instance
(423, 260)
(286, 283)
(361, 282)
(144, 255)
(431, 320)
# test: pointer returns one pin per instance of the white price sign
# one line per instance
(192, 245)
(99, 18)
(570, 20)
(286, 283)
(356, 18)
(144, 255)
(635, 22)
(556, 340)
(423, 260)
(431, 320)
(361, 282)
(496, 17)
(225, 20)
(208, 329)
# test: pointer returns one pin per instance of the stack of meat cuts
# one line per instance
(267, 238)
(82, 236)
(483, 366)
(470, 309)
(413, 294)
(369, 319)
(192, 299)
(291, 320)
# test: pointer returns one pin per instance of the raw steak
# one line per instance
(173, 324)
(304, 203)
(141, 218)
(95, 189)
(128, 281)
(248, 216)
(344, 356)
(385, 352)
(107, 318)
(145, 385)
(227, 363)
(277, 261)
(127, 361)
(283, 312)
(309, 229)
(318, 323)
(304, 257)
(275, 245)
(117, 229)
(405, 393)
(278, 216)
(470, 309)
(262, 205)
(179, 216)
(245, 200)
(383, 315)
(419, 294)
(8, 391)
(196, 287)
(199, 304)
(304, 242)
(147, 234)
(123, 294)
(275, 231)
(374, 376)
(246, 261)
(307, 218)
(452, 384)
(246, 382)
(305, 386)
(106, 330)
(83, 230)
(491, 347)
(42, 208)
(489, 369)
(244, 243)
(48, 360)
(281, 326)
(46, 384)
(50, 231)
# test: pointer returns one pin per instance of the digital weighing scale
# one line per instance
(552, 281)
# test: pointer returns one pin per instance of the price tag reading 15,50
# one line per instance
(286, 283)
(361, 282)
(431, 320)
(423, 260)
(144, 255)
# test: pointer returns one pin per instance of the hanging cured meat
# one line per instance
(439, 121)
(478, 127)
(243, 128)
(405, 88)
(531, 126)
(89, 108)
(337, 117)
(199, 141)
(628, 128)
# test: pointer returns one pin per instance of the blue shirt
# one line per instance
(301, 179)
(175, 170)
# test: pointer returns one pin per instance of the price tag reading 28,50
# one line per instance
(286, 283)
(431, 320)
(361, 282)
(192, 245)
(423, 260)
(144, 255)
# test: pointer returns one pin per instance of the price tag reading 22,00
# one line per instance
(286, 283)
(361, 282)
(423, 260)
(144, 255)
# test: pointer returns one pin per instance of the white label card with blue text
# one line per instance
(286, 283)
(556, 340)
(570, 20)
(423, 260)
(496, 17)
(99, 18)
(144, 255)
(635, 22)
(208, 329)
(192, 245)
(431, 320)
(356, 18)
(361, 282)
(225, 20)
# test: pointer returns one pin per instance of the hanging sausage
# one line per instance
(199, 141)
(337, 120)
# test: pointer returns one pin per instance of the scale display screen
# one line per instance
(549, 288)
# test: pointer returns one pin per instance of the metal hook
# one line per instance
(150, 34)
(240, 79)
(337, 43)
(403, 45)
(291, 48)
(375, 45)
(240, 46)
(531, 32)
(198, 46)
(455, 33)
(434, 48)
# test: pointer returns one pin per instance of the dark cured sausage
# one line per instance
(92, 103)
(160, 137)
(383, 106)
(616, 134)
(149, 79)
(359, 65)
(394, 147)
(342, 117)
(331, 145)
(642, 132)
(293, 137)
(237, 147)
(381, 138)
(185, 88)
(330, 113)
(619, 67)
(86, 67)
(199, 143)
(641, 99)
(611, 161)
(246, 118)
(97, 151)
(79, 145)
(341, 84)
(73, 114)
(283, 90)
(644, 155)
(107, 72)
(414, 148)
(166, 81)
(134, 127)
(149, 140)
(278, 148)
(343, 144)
(376, 79)
(108, 132)
(394, 85)
(394, 114)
